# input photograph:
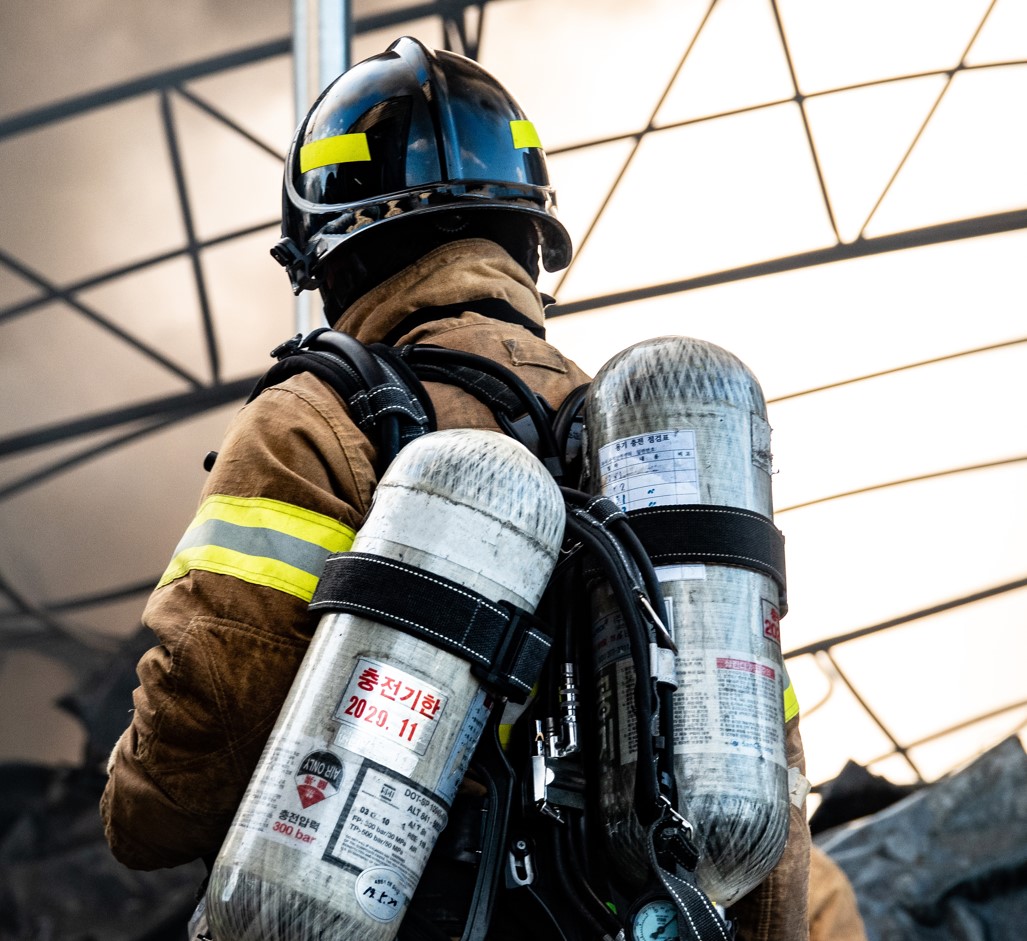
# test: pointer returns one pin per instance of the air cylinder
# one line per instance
(356, 780)
(669, 422)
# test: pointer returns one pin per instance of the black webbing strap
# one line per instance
(381, 392)
(390, 398)
(490, 390)
(330, 369)
(508, 398)
(370, 387)
(673, 857)
(505, 645)
(688, 533)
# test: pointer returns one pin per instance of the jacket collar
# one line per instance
(468, 270)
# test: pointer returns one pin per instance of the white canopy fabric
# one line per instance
(832, 191)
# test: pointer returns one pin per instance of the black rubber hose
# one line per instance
(598, 916)
(598, 541)
(622, 529)
(566, 415)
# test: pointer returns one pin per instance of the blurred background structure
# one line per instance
(832, 191)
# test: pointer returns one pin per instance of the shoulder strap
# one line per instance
(519, 411)
(385, 398)
(382, 387)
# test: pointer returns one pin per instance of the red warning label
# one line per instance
(318, 777)
(771, 621)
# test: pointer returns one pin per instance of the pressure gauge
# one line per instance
(656, 920)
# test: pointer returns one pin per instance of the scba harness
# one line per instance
(520, 856)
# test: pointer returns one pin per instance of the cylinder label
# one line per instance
(319, 776)
(463, 747)
(610, 639)
(388, 821)
(298, 802)
(379, 894)
(729, 703)
(655, 469)
(724, 705)
(389, 705)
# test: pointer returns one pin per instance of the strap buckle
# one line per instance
(518, 657)
(674, 839)
(288, 254)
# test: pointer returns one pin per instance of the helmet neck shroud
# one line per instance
(383, 252)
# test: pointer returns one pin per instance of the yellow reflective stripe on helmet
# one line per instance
(343, 148)
(264, 542)
(791, 701)
(524, 134)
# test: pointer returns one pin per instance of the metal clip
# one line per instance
(673, 839)
(519, 868)
(661, 628)
(288, 347)
(669, 808)
(542, 777)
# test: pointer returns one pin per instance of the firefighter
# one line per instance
(416, 200)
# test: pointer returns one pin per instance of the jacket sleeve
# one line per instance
(777, 909)
(290, 486)
(833, 908)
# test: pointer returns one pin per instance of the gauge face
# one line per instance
(656, 921)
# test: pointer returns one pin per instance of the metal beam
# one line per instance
(38, 117)
(29, 120)
(185, 405)
(913, 238)
(828, 642)
(447, 9)
(54, 292)
(321, 53)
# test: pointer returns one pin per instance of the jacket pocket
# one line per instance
(539, 353)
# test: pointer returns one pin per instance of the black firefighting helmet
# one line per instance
(410, 133)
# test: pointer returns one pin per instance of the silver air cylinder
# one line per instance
(356, 780)
(680, 421)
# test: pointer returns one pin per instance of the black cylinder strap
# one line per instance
(505, 645)
(690, 533)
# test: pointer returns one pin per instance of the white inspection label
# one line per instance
(655, 469)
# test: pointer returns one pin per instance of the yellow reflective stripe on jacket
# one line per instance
(261, 541)
(791, 700)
